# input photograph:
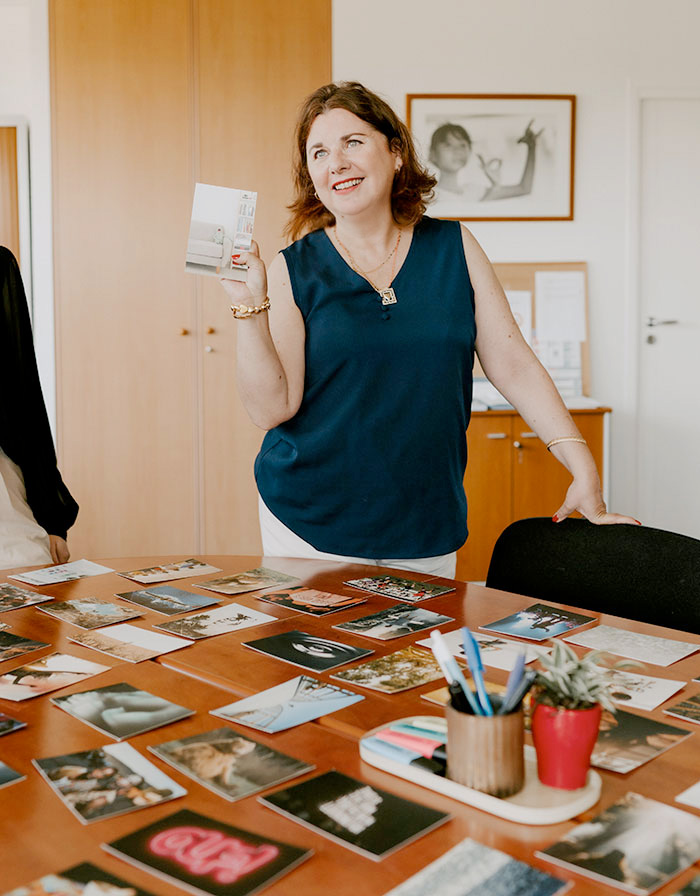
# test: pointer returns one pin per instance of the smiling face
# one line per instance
(350, 164)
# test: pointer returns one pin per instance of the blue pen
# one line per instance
(450, 669)
(514, 680)
(473, 655)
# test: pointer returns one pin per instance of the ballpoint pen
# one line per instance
(452, 672)
(526, 682)
(473, 654)
(514, 680)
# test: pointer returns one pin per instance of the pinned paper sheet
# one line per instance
(520, 301)
(560, 306)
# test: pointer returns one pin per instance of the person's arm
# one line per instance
(506, 191)
(25, 434)
(270, 364)
(59, 549)
(512, 367)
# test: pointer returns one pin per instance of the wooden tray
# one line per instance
(534, 804)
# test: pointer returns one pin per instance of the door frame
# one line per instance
(636, 95)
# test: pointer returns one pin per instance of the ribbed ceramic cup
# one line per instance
(486, 752)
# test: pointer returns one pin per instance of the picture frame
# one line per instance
(497, 157)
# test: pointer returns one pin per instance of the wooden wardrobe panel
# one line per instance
(122, 173)
(9, 205)
(256, 63)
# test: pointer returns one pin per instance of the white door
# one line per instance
(669, 302)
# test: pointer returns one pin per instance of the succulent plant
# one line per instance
(574, 682)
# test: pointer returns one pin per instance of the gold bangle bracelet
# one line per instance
(548, 446)
(241, 311)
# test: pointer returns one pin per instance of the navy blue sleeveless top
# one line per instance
(372, 464)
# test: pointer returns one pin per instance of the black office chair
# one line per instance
(645, 574)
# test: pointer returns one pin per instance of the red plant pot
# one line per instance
(564, 740)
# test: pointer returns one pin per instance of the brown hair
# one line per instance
(412, 186)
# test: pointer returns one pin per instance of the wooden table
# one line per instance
(39, 835)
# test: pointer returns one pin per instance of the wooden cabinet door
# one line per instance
(256, 63)
(539, 480)
(511, 475)
(489, 487)
(122, 174)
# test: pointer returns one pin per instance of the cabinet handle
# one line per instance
(517, 444)
(184, 331)
(496, 435)
(528, 435)
(211, 330)
(208, 348)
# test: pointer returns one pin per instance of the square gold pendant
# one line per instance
(388, 296)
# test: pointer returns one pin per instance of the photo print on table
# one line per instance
(12, 646)
(48, 673)
(626, 741)
(637, 844)
(121, 710)
(308, 600)
(12, 597)
(394, 622)
(107, 781)
(398, 588)
(9, 775)
(307, 651)
(230, 764)
(88, 612)
(538, 622)
(471, 868)
(288, 704)
(399, 671)
(215, 622)
(636, 691)
(182, 569)
(688, 709)
(240, 862)
(499, 653)
(168, 600)
(8, 724)
(80, 880)
(66, 572)
(129, 642)
(370, 821)
(250, 580)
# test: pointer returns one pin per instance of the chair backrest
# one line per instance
(645, 574)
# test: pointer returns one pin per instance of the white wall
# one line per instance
(24, 92)
(600, 51)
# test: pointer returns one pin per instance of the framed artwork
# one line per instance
(497, 157)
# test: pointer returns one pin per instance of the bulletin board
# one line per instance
(550, 302)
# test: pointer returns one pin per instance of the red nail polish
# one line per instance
(235, 256)
(555, 518)
(638, 523)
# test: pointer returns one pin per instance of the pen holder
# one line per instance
(486, 752)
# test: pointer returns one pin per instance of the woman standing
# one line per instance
(359, 363)
(36, 508)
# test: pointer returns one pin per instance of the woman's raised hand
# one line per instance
(253, 290)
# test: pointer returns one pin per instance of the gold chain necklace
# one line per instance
(388, 296)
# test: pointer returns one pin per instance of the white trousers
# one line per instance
(279, 541)
(22, 540)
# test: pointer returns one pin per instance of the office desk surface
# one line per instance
(39, 835)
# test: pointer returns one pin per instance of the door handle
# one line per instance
(655, 322)
(496, 435)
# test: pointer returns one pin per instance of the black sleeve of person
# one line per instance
(25, 434)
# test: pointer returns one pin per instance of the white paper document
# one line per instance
(66, 572)
(645, 648)
(560, 306)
